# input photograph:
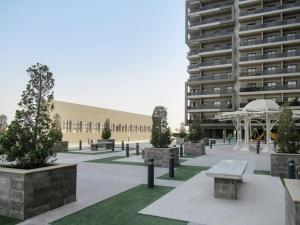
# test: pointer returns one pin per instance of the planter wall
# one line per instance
(27, 193)
(61, 146)
(279, 163)
(103, 143)
(161, 156)
(194, 148)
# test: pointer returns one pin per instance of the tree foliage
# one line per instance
(182, 131)
(196, 131)
(161, 133)
(106, 132)
(28, 142)
(3, 123)
(55, 132)
(287, 137)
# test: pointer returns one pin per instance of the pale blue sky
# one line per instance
(124, 54)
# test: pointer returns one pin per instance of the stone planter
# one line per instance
(279, 163)
(105, 143)
(194, 148)
(161, 156)
(27, 193)
(206, 141)
(61, 146)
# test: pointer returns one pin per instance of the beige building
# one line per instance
(81, 122)
(239, 51)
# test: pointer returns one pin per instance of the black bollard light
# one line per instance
(171, 165)
(229, 140)
(151, 173)
(137, 148)
(181, 150)
(224, 140)
(122, 145)
(298, 172)
(210, 144)
(80, 145)
(127, 150)
(291, 168)
(257, 147)
(113, 146)
(92, 141)
(275, 144)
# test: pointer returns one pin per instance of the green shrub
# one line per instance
(106, 132)
(195, 131)
(55, 132)
(161, 133)
(182, 131)
(28, 142)
(287, 137)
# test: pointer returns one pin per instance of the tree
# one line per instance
(196, 131)
(287, 137)
(182, 131)
(3, 123)
(161, 133)
(106, 132)
(28, 142)
(55, 132)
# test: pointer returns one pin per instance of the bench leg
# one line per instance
(225, 188)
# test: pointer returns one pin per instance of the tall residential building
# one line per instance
(240, 50)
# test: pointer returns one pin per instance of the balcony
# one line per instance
(211, 92)
(291, 103)
(210, 63)
(212, 77)
(210, 20)
(270, 9)
(210, 6)
(211, 121)
(270, 72)
(211, 35)
(270, 88)
(270, 56)
(270, 24)
(271, 40)
(195, 53)
(222, 107)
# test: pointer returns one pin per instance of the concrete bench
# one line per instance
(227, 174)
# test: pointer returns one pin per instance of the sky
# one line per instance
(128, 55)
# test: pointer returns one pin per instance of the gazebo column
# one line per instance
(266, 149)
(238, 129)
(246, 128)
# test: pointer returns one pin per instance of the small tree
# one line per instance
(287, 136)
(161, 133)
(106, 132)
(182, 131)
(28, 142)
(55, 132)
(196, 131)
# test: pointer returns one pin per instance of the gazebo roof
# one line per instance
(261, 105)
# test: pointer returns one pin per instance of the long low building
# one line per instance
(81, 122)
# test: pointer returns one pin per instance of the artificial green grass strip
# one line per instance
(122, 209)
(87, 153)
(8, 221)
(183, 173)
(110, 160)
(190, 156)
(262, 172)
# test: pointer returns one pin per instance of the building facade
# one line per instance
(239, 51)
(81, 122)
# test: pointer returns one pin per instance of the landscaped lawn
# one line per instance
(122, 209)
(190, 156)
(8, 221)
(184, 173)
(110, 160)
(88, 153)
(262, 172)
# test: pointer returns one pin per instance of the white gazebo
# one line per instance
(262, 112)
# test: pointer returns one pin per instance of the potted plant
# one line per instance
(35, 183)
(288, 141)
(57, 135)
(160, 140)
(106, 134)
(195, 146)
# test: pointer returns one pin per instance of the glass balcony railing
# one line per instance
(210, 6)
(196, 52)
(270, 72)
(270, 24)
(270, 88)
(210, 63)
(270, 56)
(269, 9)
(211, 121)
(271, 40)
(212, 77)
(211, 20)
(211, 35)
(211, 91)
(222, 106)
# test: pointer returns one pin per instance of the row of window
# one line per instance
(273, 84)
(273, 37)
(290, 52)
(291, 67)
(69, 126)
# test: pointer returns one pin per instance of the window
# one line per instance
(216, 74)
(216, 89)
(250, 10)
(292, 83)
(292, 68)
(229, 88)
(251, 70)
(217, 103)
(249, 25)
(251, 85)
(291, 99)
(271, 68)
(271, 84)
(229, 102)
(271, 37)
(272, 52)
(229, 73)
(251, 55)
(291, 51)
(290, 35)
(251, 40)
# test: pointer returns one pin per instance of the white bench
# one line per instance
(227, 174)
